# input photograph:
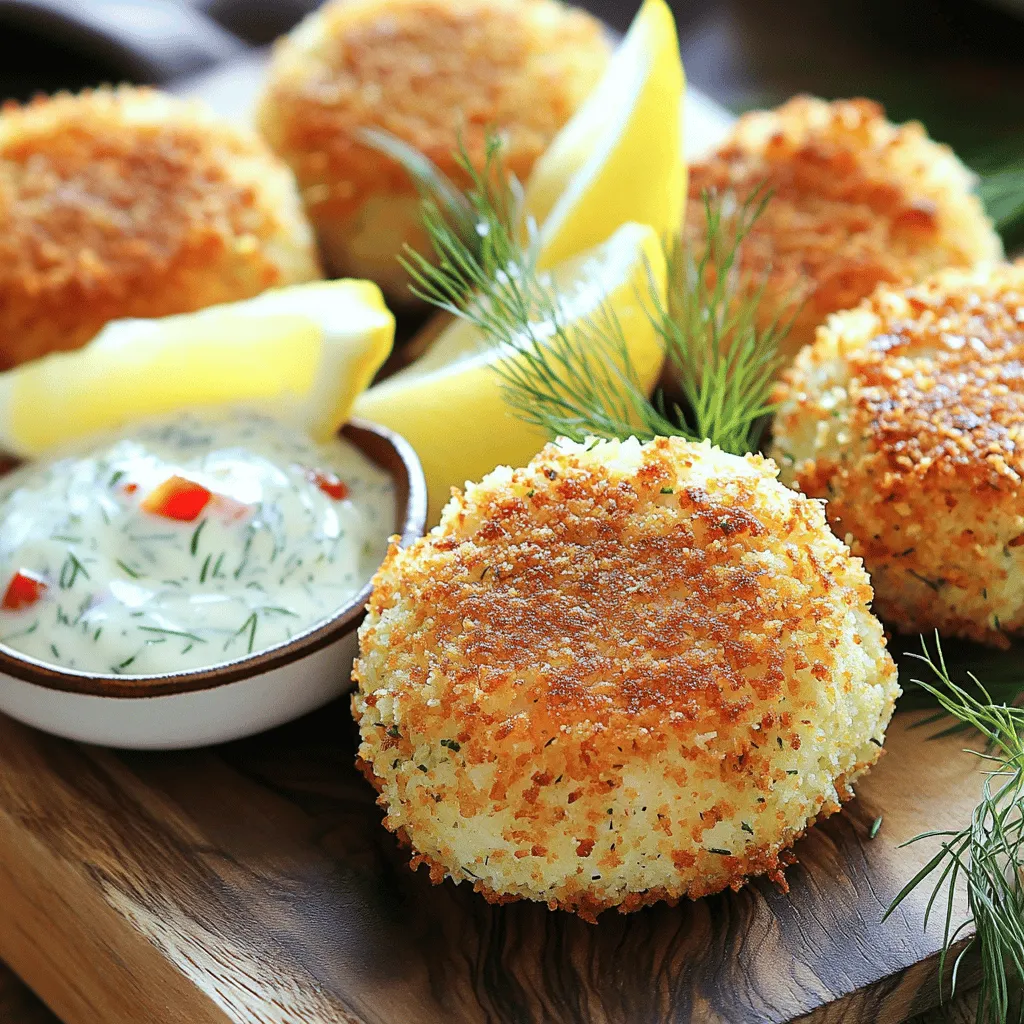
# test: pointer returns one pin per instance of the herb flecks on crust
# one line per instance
(653, 668)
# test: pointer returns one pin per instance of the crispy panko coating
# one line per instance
(856, 202)
(434, 73)
(621, 675)
(907, 413)
(130, 203)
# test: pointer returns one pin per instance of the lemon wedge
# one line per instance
(301, 353)
(620, 158)
(449, 403)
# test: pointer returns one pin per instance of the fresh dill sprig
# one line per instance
(725, 362)
(575, 377)
(987, 854)
(1001, 670)
(1000, 169)
(436, 188)
(569, 379)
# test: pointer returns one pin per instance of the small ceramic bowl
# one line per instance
(226, 702)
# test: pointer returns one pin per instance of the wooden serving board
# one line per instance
(254, 884)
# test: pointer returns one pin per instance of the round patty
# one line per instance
(623, 674)
(130, 203)
(435, 73)
(907, 414)
(855, 201)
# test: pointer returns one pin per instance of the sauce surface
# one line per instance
(188, 544)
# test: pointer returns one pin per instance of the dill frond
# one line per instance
(1001, 670)
(430, 181)
(1000, 169)
(988, 854)
(569, 379)
(576, 379)
(725, 362)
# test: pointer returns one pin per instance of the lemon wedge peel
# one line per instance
(301, 353)
(449, 404)
(620, 157)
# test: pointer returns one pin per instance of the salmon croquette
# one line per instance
(130, 203)
(435, 74)
(623, 674)
(907, 414)
(855, 202)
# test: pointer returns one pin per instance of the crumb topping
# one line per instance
(432, 72)
(619, 678)
(908, 415)
(942, 383)
(856, 202)
(120, 202)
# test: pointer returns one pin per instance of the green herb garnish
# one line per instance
(196, 534)
(988, 854)
(578, 379)
(250, 625)
(69, 571)
(172, 632)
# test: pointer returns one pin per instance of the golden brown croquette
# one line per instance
(434, 73)
(130, 203)
(907, 414)
(625, 673)
(855, 202)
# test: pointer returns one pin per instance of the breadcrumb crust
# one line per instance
(128, 202)
(620, 675)
(856, 202)
(908, 415)
(434, 73)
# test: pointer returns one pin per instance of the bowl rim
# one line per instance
(388, 450)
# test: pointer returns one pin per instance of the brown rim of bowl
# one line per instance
(388, 450)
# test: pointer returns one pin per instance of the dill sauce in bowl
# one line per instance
(195, 580)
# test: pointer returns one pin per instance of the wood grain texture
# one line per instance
(960, 1010)
(253, 883)
(18, 1005)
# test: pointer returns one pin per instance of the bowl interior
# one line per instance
(383, 447)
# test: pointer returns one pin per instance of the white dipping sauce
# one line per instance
(261, 534)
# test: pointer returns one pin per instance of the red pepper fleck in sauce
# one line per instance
(130, 488)
(333, 486)
(23, 591)
(177, 498)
